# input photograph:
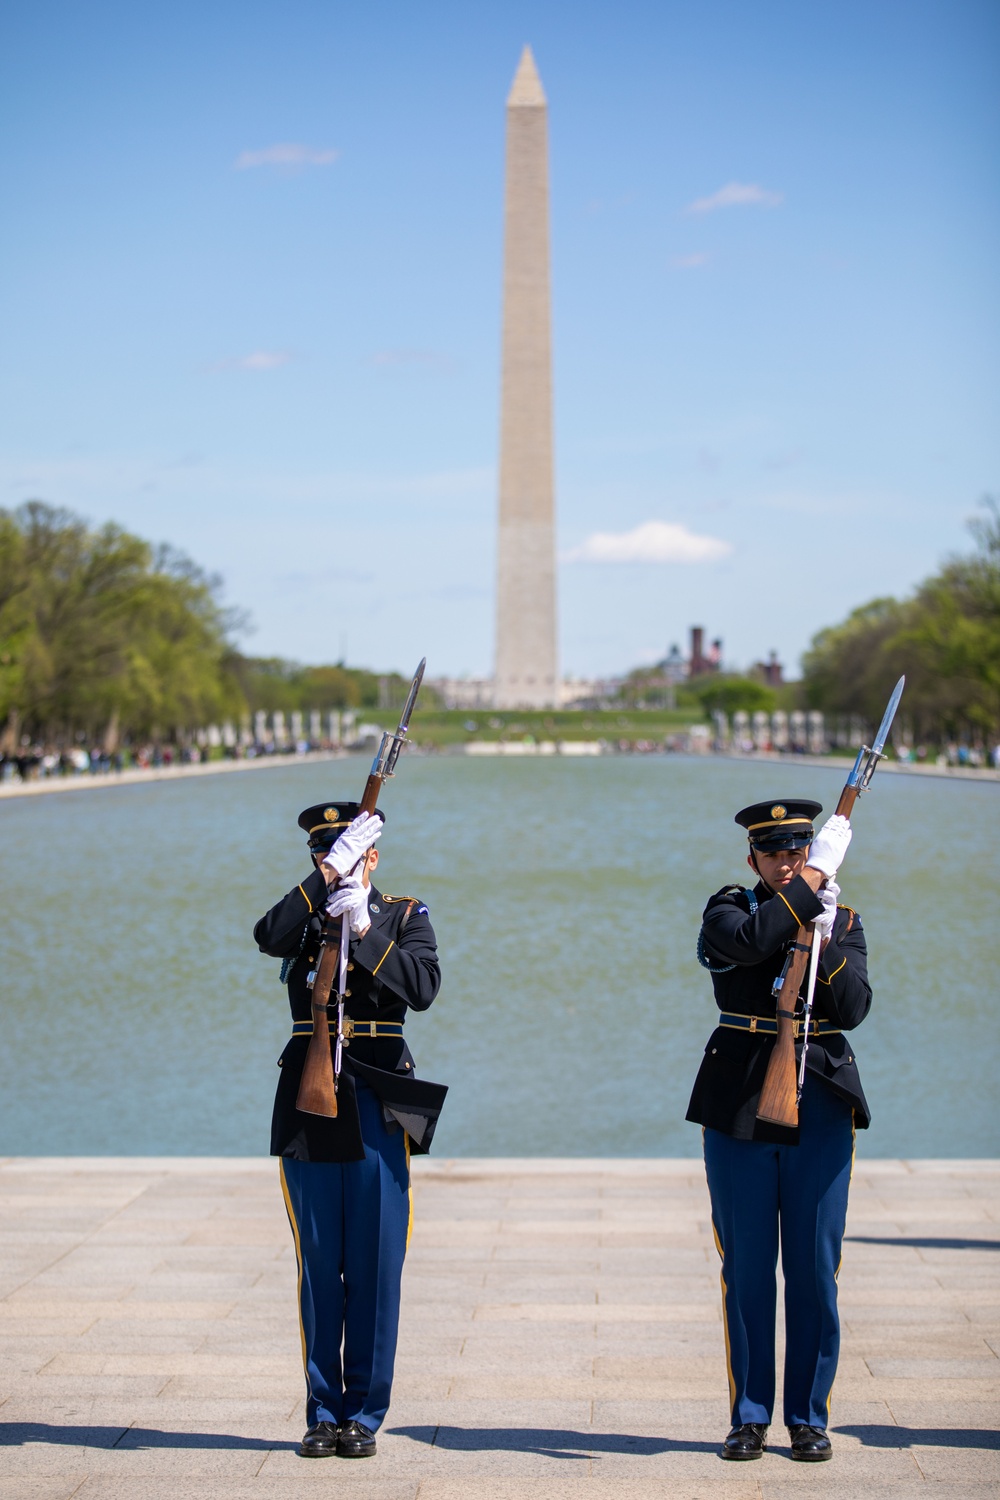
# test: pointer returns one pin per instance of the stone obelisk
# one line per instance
(526, 673)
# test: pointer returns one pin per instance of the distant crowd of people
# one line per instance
(36, 762)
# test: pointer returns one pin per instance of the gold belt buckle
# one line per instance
(346, 1029)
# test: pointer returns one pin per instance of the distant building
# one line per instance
(587, 692)
(480, 692)
(673, 667)
(769, 671)
(702, 661)
(464, 692)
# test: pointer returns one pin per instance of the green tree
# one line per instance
(946, 639)
(850, 668)
(272, 684)
(731, 692)
(97, 628)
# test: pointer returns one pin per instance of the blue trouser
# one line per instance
(350, 1222)
(759, 1191)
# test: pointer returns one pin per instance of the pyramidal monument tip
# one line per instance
(526, 91)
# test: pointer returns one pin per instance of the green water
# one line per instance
(139, 1017)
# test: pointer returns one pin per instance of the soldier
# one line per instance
(768, 1182)
(346, 1180)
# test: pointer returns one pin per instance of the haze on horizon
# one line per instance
(251, 296)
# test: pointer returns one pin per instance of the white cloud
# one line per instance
(736, 195)
(289, 157)
(652, 542)
(261, 359)
(689, 262)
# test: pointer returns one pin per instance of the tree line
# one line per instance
(106, 637)
(946, 638)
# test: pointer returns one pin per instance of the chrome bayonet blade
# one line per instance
(388, 751)
(411, 698)
(888, 716)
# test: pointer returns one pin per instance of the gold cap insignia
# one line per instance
(778, 811)
(331, 815)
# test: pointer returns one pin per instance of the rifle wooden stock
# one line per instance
(317, 1090)
(778, 1103)
(845, 806)
(318, 1087)
(779, 1097)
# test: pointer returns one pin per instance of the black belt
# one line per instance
(354, 1028)
(768, 1026)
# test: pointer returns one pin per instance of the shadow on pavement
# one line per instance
(14, 1433)
(915, 1243)
(547, 1441)
(927, 1437)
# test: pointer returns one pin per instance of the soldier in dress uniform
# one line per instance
(769, 1183)
(346, 1180)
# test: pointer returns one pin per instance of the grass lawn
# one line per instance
(456, 726)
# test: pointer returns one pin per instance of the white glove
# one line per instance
(351, 896)
(824, 922)
(356, 839)
(828, 847)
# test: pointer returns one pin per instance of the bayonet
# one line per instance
(321, 1072)
(782, 1091)
(384, 764)
(870, 755)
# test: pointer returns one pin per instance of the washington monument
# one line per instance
(526, 673)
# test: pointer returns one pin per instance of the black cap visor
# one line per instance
(785, 838)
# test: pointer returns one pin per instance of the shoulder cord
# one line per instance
(288, 964)
(724, 968)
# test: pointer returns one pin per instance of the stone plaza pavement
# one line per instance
(561, 1337)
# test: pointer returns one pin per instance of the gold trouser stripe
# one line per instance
(382, 960)
(791, 908)
(409, 1190)
(725, 1326)
(298, 1261)
(836, 1274)
(833, 975)
(306, 899)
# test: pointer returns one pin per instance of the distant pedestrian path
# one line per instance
(143, 775)
(561, 1336)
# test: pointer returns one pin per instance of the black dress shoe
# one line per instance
(810, 1444)
(748, 1441)
(320, 1441)
(355, 1441)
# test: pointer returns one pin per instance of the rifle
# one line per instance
(783, 1082)
(320, 1075)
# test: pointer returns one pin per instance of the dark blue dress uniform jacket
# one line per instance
(393, 968)
(731, 1076)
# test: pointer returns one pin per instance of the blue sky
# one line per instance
(250, 290)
